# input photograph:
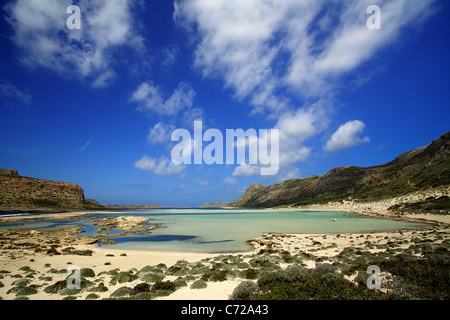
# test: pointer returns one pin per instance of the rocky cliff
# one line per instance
(18, 192)
(419, 169)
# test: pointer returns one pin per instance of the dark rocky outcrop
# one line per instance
(18, 192)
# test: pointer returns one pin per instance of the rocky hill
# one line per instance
(216, 204)
(18, 192)
(417, 170)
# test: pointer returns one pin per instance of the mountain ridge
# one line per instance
(418, 169)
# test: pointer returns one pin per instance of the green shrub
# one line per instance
(162, 266)
(123, 277)
(361, 278)
(262, 262)
(92, 296)
(164, 285)
(242, 265)
(122, 292)
(153, 277)
(274, 276)
(332, 280)
(21, 283)
(163, 288)
(100, 288)
(87, 272)
(199, 284)
(296, 273)
(177, 270)
(286, 256)
(215, 275)
(148, 269)
(180, 282)
(327, 287)
(25, 268)
(141, 287)
(426, 278)
(250, 274)
(322, 269)
(244, 290)
(60, 287)
(56, 287)
(198, 269)
(26, 291)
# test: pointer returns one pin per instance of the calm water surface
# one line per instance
(227, 230)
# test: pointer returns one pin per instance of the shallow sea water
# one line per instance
(227, 230)
(218, 230)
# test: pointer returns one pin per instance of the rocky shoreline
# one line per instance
(39, 240)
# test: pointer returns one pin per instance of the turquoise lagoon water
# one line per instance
(227, 230)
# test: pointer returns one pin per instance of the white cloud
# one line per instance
(351, 44)
(191, 115)
(246, 170)
(231, 181)
(346, 136)
(269, 52)
(202, 182)
(235, 42)
(160, 133)
(296, 127)
(170, 55)
(243, 42)
(162, 166)
(288, 174)
(242, 171)
(41, 33)
(151, 99)
(9, 90)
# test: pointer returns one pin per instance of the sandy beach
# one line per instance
(33, 264)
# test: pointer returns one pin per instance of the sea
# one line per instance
(222, 230)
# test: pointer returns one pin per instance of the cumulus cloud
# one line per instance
(151, 99)
(298, 126)
(295, 127)
(41, 34)
(246, 170)
(162, 166)
(268, 52)
(160, 133)
(346, 136)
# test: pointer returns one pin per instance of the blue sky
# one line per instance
(97, 106)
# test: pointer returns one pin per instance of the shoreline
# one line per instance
(103, 260)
